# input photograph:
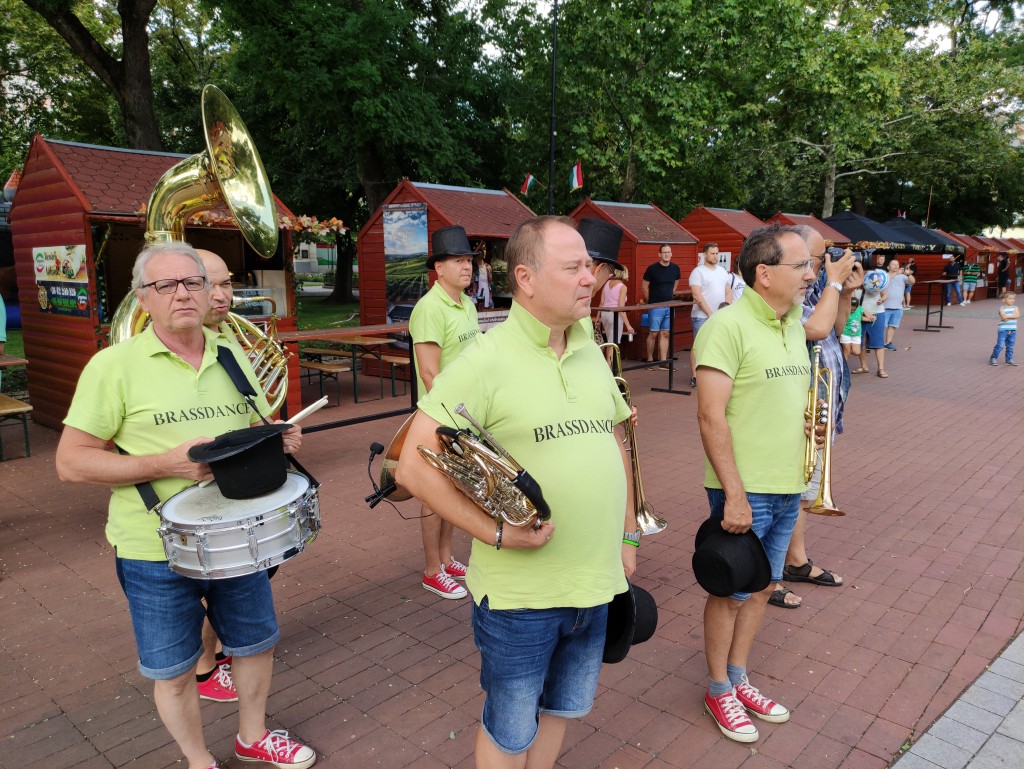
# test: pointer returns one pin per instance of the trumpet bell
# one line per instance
(648, 521)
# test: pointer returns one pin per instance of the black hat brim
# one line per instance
(234, 442)
(632, 619)
(605, 260)
(762, 575)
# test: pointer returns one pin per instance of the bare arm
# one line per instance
(623, 296)
(428, 362)
(714, 388)
(434, 490)
(84, 458)
(628, 551)
(645, 290)
(675, 288)
(833, 306)
(698, 298)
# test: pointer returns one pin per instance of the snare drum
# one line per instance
(208, 536)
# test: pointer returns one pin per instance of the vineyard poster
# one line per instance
(405, 252)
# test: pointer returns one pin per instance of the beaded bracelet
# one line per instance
(497, 534)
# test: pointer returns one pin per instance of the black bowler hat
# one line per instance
(248, 462)
(602, 240)
(725, 563)
(448, 241)
(632, 618)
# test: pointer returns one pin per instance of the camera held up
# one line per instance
(863, 258)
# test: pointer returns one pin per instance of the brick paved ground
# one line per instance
(375, 672)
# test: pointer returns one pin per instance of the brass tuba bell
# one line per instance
(228, 171)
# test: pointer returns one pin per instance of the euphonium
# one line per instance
(229, 171)
(819, 412)
(480, 468)
(646, 519)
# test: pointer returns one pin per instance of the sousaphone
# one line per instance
(229, 172)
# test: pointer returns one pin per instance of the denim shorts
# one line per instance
(658, 319)
(893, 317)
(774, 516)
(167, 615)
(535, 661)
(696, 323)
(874, 332)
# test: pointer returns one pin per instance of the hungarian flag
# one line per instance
(527, 183)
(576, 177)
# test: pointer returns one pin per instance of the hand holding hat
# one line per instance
(725, 563)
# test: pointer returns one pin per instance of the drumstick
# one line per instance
(313, 407)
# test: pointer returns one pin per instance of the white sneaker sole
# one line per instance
(462, 594)
(770, 719)
(737, 736)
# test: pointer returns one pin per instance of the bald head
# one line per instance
(220, 288)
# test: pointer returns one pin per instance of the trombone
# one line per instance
(819, 412)
(647, 521)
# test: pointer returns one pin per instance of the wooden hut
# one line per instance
(394, 243)
(725, 226)
(77, 225)
(645, 228)
(832, 236)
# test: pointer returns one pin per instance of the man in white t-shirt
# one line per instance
(710, 286)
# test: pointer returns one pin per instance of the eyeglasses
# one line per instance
(803, 266)
(170, 285)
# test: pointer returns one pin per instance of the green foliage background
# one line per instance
(776, 105)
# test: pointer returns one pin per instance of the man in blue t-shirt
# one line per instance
(659, 285)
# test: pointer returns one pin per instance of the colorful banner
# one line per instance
(405, 252)
(62, 280)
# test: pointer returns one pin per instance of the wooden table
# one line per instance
(8, 361)
(671, 305)
(370, 337)
(928, 311)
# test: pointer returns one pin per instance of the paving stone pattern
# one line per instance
(373, 671)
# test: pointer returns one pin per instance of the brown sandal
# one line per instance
(882, 374)
(860, 371)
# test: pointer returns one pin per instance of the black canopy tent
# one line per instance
(861, 230)
(943, 245)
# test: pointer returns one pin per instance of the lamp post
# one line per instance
(551, 129)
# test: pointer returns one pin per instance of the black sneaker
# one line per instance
(693, 381)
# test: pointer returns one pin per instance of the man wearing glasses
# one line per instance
(154, 396)
(752, 372)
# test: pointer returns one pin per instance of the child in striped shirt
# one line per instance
(1008, 315)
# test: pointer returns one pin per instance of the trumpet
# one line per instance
(647, 521)
(819, 412)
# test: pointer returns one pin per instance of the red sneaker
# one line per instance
(275, 748)
(219, 687)
(456, 570)
(730, 717)
(443, 585)
(759, 705)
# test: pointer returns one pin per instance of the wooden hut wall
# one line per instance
(49, 212)
(704, 225)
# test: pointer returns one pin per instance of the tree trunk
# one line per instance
(829, 192)
(342, 293)
(129, 79)
(628, 189)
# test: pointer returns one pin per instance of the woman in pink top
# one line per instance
(614, 294)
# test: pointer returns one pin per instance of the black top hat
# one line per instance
(602, 240)
(727, 563)
(632, 618)
(248, 462)
(448, 241)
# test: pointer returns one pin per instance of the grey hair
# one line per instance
(159, 249)
(762, 247)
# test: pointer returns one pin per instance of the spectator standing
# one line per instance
(484, 277)
(615, 294)
(873, 326)
(972, 274)
(660, 282)
(899, 280)
(752, 426)
(1007, 333)
(951, 271)
(851, 337)
(1003, 273)
(912, 267)
(442, 324)
(711, 289)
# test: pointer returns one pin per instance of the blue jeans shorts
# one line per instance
(893, 317)
(167, 615)
(774, 516)
(535, 661)
(874, 332)
(697, 323)
(658, 319)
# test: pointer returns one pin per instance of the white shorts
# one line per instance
(844, 339)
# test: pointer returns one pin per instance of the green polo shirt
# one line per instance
(556, 417)
(767, 360)
(148, 400)
(449, 324)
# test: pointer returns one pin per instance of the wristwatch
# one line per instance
(632, 537)
(836, 285)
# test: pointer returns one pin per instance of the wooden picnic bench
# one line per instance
(11, 409)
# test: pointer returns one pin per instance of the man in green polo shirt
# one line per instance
(442, 324)
(154, 396)
(541, 386)
(752, 374)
